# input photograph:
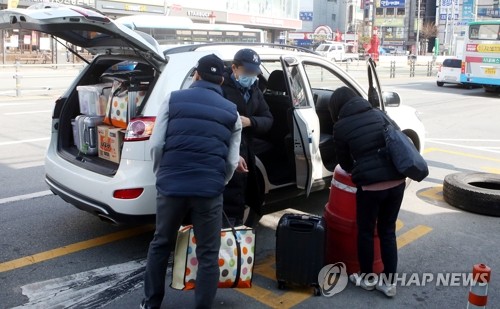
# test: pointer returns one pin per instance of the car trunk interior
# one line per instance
(71, 109)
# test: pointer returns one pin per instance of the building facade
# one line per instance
(276, 17)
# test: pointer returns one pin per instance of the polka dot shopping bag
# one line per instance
(236, 258)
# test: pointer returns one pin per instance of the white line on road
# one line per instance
(30, 112)
(90, 289)
(23, 197)
(463, 146)
(11, 103)
(462, 140)
(25, 141)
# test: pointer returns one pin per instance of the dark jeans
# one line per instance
(234, 197)
(379, 208)
(206, 216)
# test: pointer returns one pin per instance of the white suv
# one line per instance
(295, 157)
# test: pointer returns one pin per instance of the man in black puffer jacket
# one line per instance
(361, 151)
(241, 87)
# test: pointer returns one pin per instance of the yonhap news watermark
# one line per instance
(333, 279)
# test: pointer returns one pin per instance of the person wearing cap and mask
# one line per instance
(195, 151)
(241, 86)
(358, 133)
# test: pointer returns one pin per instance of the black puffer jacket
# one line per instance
(360, 143)
(258, 111)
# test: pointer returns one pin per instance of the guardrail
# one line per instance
(392, 69)
(18, 76)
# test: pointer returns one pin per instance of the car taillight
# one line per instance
(140, 129)
(463, 67)
(440, 67)
(128, 194)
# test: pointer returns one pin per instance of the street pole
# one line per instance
(445, 43)
(3, 46)
(418, 27)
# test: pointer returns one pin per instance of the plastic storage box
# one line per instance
(94, 99)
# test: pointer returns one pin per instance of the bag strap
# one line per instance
(238, 248)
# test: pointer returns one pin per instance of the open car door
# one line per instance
(85, 28)
(375, 95)
(306, 129)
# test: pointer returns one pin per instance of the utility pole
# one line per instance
(418, 27)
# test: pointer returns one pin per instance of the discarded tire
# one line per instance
(474, 192)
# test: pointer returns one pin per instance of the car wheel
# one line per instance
(440, 84)
(474, 192)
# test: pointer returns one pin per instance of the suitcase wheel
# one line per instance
(317, 291)
(281, 284)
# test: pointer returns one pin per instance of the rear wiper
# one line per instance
(71, 50)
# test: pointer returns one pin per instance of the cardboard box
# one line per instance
(110, 142)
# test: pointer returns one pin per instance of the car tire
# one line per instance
(440, 84)
(474, 192)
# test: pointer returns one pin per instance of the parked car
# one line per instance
(449, 72)
(337, 51)
(296, 156)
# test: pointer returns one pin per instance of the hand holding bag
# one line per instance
(236, 258)
(405, 157)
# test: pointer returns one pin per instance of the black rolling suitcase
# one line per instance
(300, 250)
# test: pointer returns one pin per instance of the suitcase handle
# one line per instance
(302, 226)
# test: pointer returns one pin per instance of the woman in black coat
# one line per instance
(360, 146)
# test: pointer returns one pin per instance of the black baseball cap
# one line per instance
(210, 65)
(249, 59)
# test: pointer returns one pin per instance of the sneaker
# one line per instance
(144, 306)
(388, 289)
(365, 284)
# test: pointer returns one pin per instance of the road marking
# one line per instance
(30, 112)
(432, 194)
(462, 140)
(459, 153)
(90, 289)
(23, 197)
(412, 235)
(72, 248)
(492, 170)
(464, 146)
(24, 141)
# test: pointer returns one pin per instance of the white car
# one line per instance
(295, 157)
(449, 72)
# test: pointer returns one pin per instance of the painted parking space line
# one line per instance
(433, 194)
(29, 112)
(412, 235)
(492, 170)
(72, 248)
(24, 197)
(24, 141)
(265, 268)
(463, 154)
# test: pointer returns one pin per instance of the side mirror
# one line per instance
(391, 98)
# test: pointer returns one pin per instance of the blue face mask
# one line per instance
(247, 81)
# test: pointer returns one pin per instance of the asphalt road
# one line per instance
(48, 246)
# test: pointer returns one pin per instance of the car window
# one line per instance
(299, 97)
(320, 77)
(452, 63)
(189, 79)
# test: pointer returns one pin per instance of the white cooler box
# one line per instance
(94, 98)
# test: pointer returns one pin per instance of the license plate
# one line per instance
(490, 71)
(450, 78)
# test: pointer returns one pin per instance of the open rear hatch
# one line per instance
(85, 28)
(116, 44)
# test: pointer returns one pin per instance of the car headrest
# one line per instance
(276, 82)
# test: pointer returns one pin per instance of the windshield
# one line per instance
(323, 47)
(484, 32)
